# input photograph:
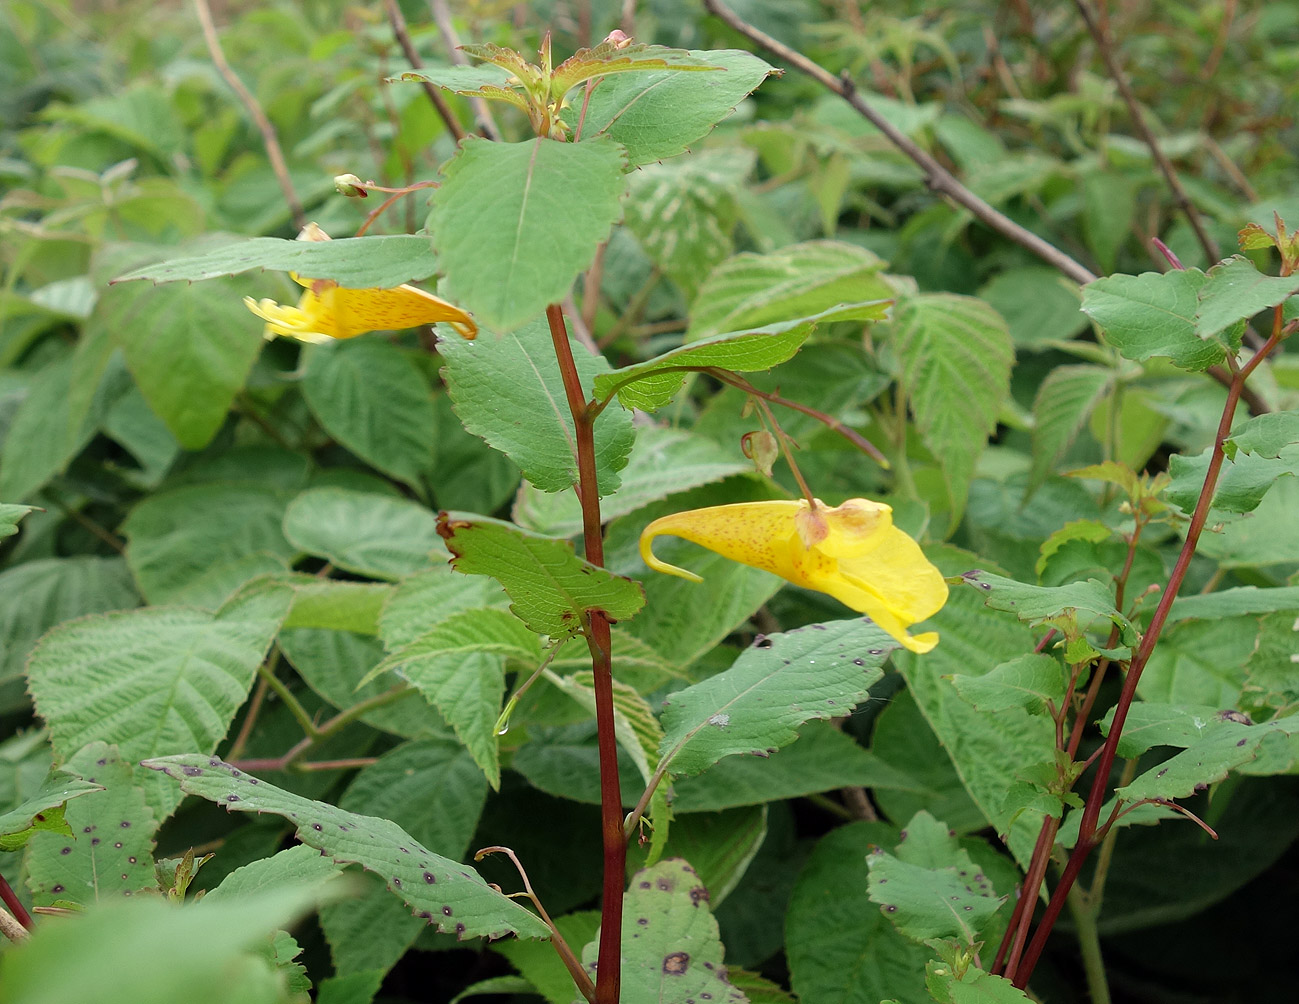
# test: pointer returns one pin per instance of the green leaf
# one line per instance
(973, 986)
(541, 965)
(782, 681)
(659, 114)
(11, 516)
(373, 398)
(354, 262)
(663, 461)
(45, 433)
(1109, 208)
(40, 594)
(44, 810)
(822, 758)
(720, 847)
(460, 79)
(1236, 291)
(1242, 482)
(371, 931)
(841, 947)
(1213, 744)
(193, 544)
(445, 893)
(108, 850)
(153, 681)
(459, 666)
(611, 57)
(431, 788)
(190, 349)
(552, 590)
(1232, 602)
(670, 947)
(1064, 403)
(1152, 314)
(368, 534)
(1038, 604)
(222, 964)
(335, 604)
(497, 379)
(1201, 662)
(956, 358)
(652, 384)
(1265, 435)
(423, 601)
(1040, 305)
(932, 892)
(515, 223)
(1027, 682)
(750, 291)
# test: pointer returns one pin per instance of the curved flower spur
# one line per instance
(853, 552)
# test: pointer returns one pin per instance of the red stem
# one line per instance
(15, 907)
(608, 973)
(1087, 834)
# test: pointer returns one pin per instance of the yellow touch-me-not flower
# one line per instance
(853, 552)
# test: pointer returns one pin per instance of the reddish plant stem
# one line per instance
(15, 907)
(1088, 837)
(608, 973)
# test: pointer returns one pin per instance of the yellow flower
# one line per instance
(853, 552)
(328, 310)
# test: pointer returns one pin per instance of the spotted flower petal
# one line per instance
(853, 552)
(328, 310)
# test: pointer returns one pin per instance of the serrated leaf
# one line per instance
(1214, 742)
(1236, 291)
(190, 349)
(1152, 314)
(752, 290)
(1039, 304)
(11, 516)
(1201, 662)
(1089, 530)
(363, 532)
(552, 590)
(670, 946)
(1063, 405)
(1265, 435)
(496, 381)
(652, 384)
(937, 892)
(608, 58)
(1027, 682)
(354, 262)
(43, 810)
(459, 666)
(426, 599)
(820, 671)
(1036, 604)
(659, 114)
(445, 893)
(663, 461)
(511, 229)
(108, 850)
(192, 544)
(974, 986)
(155, 680)
(638, 731)
(956, 359)
(1242, 482)
(373, 398)
(1233, 602)
(45, 432)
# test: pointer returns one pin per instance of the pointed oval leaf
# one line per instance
(364, 532)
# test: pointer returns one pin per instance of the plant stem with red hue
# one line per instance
(608, 973)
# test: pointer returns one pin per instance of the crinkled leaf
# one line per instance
(445, 893)
(1152, 314)
(363, 532)
(1063, 405)
(1236, 291)
(44, 810)
(652, 384)
(552, 590)
(153, 681)
(777, 684)
(1036, 604)
(661, 113)
(108, 849)
(670, 947)
(507, 389)
(511, 228)
(423, 601)
(753, 290)
(374, 399)
(1242, 482)
(354, 262)
(956, 358)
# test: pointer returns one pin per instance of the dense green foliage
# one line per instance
(343, 591)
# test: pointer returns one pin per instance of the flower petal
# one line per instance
(758, 534)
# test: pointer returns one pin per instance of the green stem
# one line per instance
(290, 700)
(1084, 915)
(608, 974)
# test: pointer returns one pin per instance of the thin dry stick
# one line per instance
(269, 138)
(444, 111)
(937, 177)
(1106, 48)
(482, 114)
(10, 927)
